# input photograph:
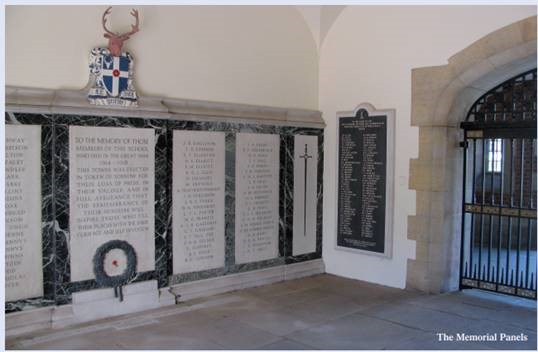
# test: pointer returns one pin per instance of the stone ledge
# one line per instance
(299, 270)
(101, 303)
(202, 288)
(108, 293)
(26, 321)
(87, 305)
(20, 99)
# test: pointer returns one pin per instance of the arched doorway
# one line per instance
(442, 96)
(498, 248)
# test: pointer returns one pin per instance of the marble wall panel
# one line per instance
(291, 133)
(111, 194)
(65, 285)
(305, 194)
(23, 255)
(257, 197)
(198, 185)
(231, 266)
(46, 207)
(58, 285)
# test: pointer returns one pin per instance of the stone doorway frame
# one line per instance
(441, 97)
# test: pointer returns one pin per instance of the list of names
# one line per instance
(23, 251)
(257, 196)
(198, 200)
(362, 180)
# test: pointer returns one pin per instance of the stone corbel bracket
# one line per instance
(49, 101)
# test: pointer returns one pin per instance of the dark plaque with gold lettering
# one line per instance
(362, 181)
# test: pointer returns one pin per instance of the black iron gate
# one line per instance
(498, 248)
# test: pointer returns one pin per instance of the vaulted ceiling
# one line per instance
(320, 19)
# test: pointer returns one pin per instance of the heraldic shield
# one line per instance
(114, 73)
(112, 79)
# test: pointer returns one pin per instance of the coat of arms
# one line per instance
(111, 70)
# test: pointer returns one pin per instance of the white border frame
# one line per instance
(389, 177)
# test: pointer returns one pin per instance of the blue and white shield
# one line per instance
(115, 73)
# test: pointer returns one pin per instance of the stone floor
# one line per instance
(319, 312)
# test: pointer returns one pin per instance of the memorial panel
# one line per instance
(256, 196)
(305, 182)
(362, 182)
(111, 194)
(23, 251)
(198, 200)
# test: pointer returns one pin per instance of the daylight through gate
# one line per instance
(498, 251)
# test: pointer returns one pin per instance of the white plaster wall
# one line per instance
(312, 17)
(267, 55)
(320, 19)
(367, 56)
(261, 55)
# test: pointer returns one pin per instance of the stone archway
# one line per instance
(441, 97)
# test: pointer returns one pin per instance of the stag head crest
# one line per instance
(116, 40)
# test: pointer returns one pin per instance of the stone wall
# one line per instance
(63, 121)
(441, 98)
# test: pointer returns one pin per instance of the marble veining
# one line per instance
(229, 201)
(64, 286)
(162, 203)
(55, 185)
(289, 195)
(47, 215)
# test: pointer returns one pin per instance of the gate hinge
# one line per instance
(464, 144)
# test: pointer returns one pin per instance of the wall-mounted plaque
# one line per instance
(365, 180)
(23, 262)
(111, 194)
(305, 183)
(198, 200)
(257, 167)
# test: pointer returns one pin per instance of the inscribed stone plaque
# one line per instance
(111, 194)
(257, 167)
(198, 200)
(24, 267)
(305, 181)
(364, 214)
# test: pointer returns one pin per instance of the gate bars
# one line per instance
(498, 234)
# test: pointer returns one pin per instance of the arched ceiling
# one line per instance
(319, 19)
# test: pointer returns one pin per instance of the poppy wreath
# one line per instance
(101, 277)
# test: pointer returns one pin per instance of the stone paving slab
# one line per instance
(353, 332)
(419, 318)
(286, 345)
(319, 312)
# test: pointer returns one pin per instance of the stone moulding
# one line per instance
(61, 108)
(68, 315)
(20, 99)
(441, 97)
